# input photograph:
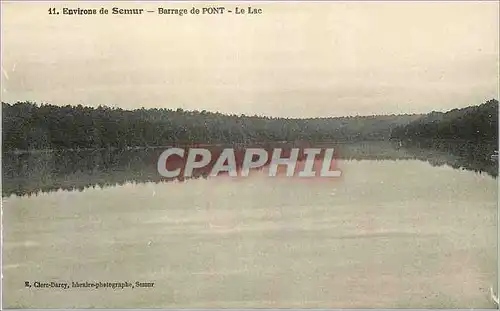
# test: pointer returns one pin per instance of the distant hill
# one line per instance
(27, 126)
(475, 123)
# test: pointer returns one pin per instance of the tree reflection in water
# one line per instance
(32, 173)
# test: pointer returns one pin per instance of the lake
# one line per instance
(405, 226)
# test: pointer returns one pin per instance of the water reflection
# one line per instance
(29, 174)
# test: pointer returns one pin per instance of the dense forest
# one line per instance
(475, 123)
(29, 126)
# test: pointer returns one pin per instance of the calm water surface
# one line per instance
(394, 232)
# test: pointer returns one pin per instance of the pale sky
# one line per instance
(297, 59)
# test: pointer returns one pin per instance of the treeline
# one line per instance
(28, 126)
(475, 123)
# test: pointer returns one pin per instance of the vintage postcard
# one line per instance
(287, 154)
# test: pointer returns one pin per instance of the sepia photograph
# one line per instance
(249, 154)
